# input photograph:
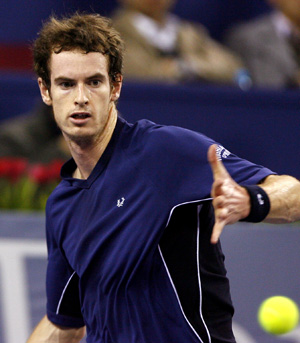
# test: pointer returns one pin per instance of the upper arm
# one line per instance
(63, 301)
(62, 285)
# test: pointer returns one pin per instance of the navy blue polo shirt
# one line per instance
(129, 248)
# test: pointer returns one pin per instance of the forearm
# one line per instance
(284, 195)
(47, 332)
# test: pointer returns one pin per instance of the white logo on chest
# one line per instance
(120, 202)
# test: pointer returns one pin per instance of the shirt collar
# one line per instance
(69, 167)
(163, 37)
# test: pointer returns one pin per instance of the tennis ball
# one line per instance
(278, 315)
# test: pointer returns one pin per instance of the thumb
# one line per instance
(217, 167)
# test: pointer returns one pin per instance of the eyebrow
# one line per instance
(96, 76)
(67, 79)
(62, 79)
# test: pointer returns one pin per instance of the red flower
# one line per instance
(39, 173)
(54, 169)
(19, 168)
(12, 168)
(4, 167)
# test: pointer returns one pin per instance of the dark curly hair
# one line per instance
(85, 32)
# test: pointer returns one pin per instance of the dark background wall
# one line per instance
(20, 20)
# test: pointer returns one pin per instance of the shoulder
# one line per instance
(165, 146)
(197, 30)
(171, 158)
(251, 29)
(157, 136)
(59, 193)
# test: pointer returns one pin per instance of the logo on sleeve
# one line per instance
(222, 153)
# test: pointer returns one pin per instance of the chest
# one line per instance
(111, 224)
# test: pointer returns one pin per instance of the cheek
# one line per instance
(101, 99)
(56, 116)
(59, 111)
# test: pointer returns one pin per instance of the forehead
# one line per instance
(76, 64)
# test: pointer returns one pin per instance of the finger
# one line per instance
(217, 188)
(219, 202)
(217, 230)
(217, 167)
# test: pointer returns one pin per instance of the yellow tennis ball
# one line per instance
(278, 315)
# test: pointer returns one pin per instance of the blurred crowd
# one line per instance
(270, 45)
(162, 47)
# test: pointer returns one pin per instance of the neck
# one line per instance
(86, 156)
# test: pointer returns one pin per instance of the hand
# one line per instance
(231, 202)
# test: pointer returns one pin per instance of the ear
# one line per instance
(45, 93)
(116, 88)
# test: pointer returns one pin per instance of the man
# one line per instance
(160, 46)
(34, 136)
(133, 251)
(269, 45)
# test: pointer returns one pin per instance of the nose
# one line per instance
(81, 97)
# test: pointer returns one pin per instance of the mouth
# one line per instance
(80, 117)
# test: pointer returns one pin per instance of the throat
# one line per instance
(77, 174)
(87, 150)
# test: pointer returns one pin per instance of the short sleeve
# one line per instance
(62, 285)
(184, 173)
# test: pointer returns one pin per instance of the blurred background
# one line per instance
(214, 89)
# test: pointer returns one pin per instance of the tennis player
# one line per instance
(133, 228)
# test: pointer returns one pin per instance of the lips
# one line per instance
(80, 118)
(80, 115)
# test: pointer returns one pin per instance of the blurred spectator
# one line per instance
(160, 46)
(33, 136)
(270, 45)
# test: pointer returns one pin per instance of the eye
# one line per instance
(95, 83)
(66, 84)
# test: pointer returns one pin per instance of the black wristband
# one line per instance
(260, 204)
